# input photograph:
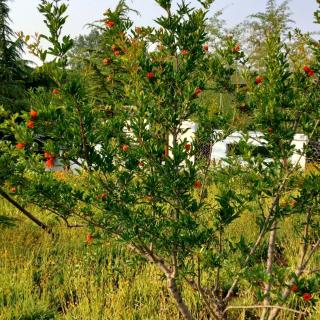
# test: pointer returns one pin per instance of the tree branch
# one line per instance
(29, 215)
(264, 306)
(272, 241)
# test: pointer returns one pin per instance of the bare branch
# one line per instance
(29, 215)
(270, 259)
(265, 306)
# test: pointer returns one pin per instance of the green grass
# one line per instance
(65, 278)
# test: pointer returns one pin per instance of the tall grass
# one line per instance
(66, 278)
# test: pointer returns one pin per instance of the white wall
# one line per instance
(219, 149)
(188, 135)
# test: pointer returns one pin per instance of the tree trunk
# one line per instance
(271, 248)
(184, 310)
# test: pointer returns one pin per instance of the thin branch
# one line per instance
(270, 260)
(304, 247)
(261, 207)
(41, 224)
(68, 225)
(312, 271)
(211, 304)
(265, 306)
(217, 284)
(83, 135)
(312, 252)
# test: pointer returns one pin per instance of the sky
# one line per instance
(26, 18)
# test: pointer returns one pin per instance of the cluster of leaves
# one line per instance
(118, 123)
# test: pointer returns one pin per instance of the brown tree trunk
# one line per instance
(176, 294)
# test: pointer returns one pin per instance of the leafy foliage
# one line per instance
(117, 121)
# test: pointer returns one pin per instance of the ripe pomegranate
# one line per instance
(30, 124)
(236, 48)
(89, 238)
(307, 69)
(50, 163)
(20, 145)
(109, 23)
(187, 147)
(106, 61)
(103, 196)
(307, 296)
(150, 75)
(197, 184)
(259, 79)
(33, 114)
(197, 92)
(311, 73)
(125, 147)
(48, 155)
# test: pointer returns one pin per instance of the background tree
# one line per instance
(254, 30)
(13, 70)
(83, 47)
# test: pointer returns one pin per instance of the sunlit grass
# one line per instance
(66, 278)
